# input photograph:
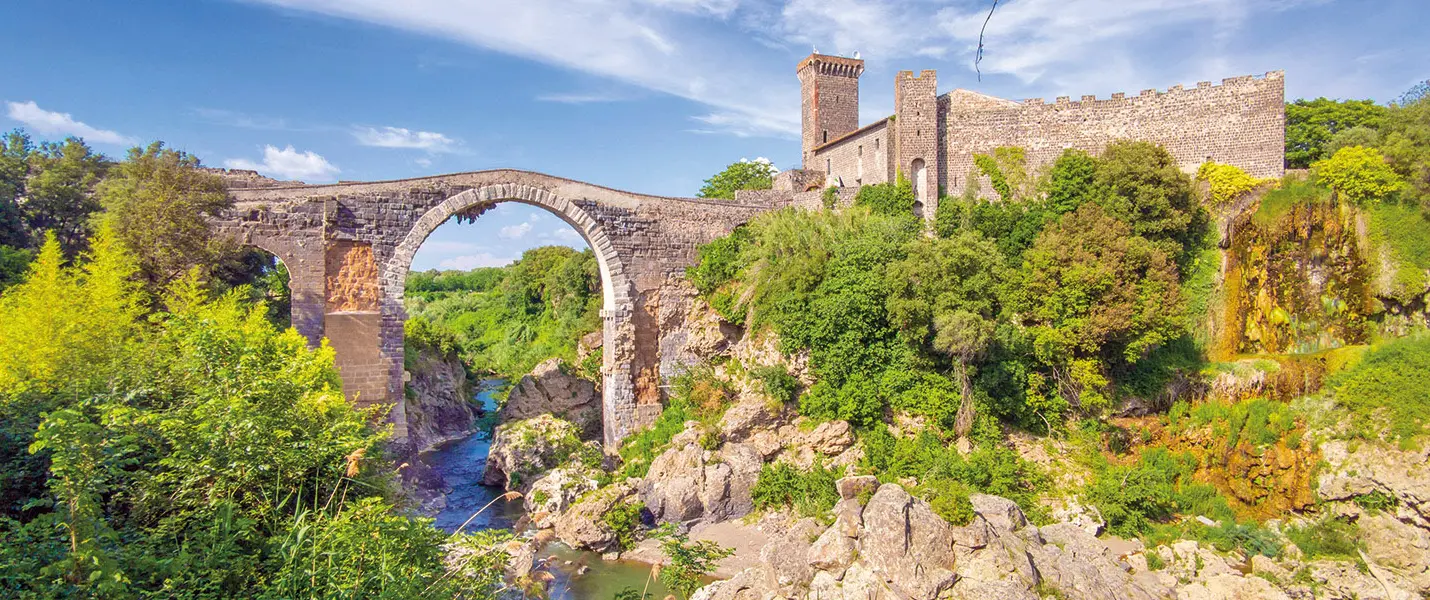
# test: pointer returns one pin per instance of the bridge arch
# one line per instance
(617, 308)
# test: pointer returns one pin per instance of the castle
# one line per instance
(931, 139)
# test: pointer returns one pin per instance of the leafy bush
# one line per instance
(1141, 184)
(810, 493)
(1400, 229)
(946, 477)
(888, 199)
(745, 174)
(689, 563)
(625, 520)
(1227, 182)
(1327, 538)
(1388, 391)
(778, 384)
(1294, 190)
(1358, 173)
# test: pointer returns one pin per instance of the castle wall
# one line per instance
(860, 158)
(1240, 122)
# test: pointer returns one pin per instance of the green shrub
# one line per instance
(1326, 538)
(810, 493)
(1388, 390)
(991, 468)
(778, 384)
(1376, 501)
(625, 520)
(1227, 182)
(1359, 174)
(1404, 231)
(1294, 190)
(888, 199)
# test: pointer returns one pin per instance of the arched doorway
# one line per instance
(920, 185)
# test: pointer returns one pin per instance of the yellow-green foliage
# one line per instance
(1388, 389)
(1358, 173)
(1227, 182)
(65, 326)
(1404, 232)
(1294, 190)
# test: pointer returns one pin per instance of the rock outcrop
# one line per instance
(439, 405)
(583, 526)
(688, 483)
(524, 450)
(549, 389)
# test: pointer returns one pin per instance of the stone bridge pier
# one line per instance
(348, 248)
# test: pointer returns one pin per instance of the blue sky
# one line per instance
(646, 95)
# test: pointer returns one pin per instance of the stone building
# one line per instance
(931, 138)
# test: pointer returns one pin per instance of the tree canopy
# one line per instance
(744, 174)
(1310, 125)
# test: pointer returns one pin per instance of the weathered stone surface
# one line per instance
(687, 483)
(1231, 587)
(907, 543)
(850, 487)
(549, 389)
(582, 525)
(550, 495)
(439, 406)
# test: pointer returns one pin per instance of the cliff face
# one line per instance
(439, 405)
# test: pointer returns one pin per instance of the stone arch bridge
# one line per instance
(348, 248)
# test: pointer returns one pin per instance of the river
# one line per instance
(460, 463)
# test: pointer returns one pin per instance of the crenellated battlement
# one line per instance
(1178, 90)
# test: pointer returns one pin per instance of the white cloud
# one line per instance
(288, 164)
(515, 232)
(659, 45)
(398, 137)
(473, 261)
(422, 161)
(1093, 43)
(57, 123)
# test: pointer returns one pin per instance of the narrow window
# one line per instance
(826, 136)
(861, 149)
(876, 144)
(828, 167)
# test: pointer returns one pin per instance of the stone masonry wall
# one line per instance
(1239, 122)
(916, 134)
(861, 157)
(829, 97)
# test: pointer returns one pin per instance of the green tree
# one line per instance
(1071, 181)
(1141, 184)
(15, 150)
(1310, 125)
(1359, 174)
(1405, 139)
(59, 191)
(1092, 292)
(945, 294)
(158, 200)
(744, 174)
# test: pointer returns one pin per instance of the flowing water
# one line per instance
(580, 575)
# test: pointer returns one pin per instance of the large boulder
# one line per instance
(522, 451)
(583, 526)
(550, 495)
(905, 542)
(688, 483)
(549, 389)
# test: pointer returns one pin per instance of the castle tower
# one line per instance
(829, 93)
(916, 136)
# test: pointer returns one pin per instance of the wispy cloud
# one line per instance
(515, 232)
(48, 122)
(472, 261)
(578, 98)
(233, 118)
(288, 163)
(660, 45)
(398, 137)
